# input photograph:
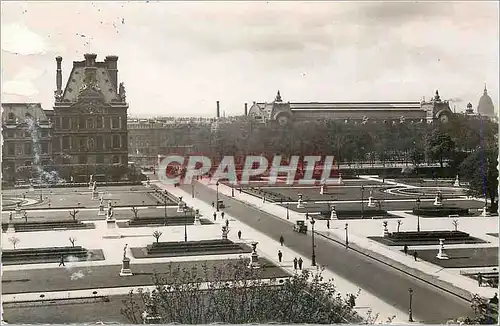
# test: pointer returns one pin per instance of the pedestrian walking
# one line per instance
(300, 263)
(280, 255)
(227, 223)
(215, 216)
(405, 249)
(480, 279)
(239, 234)
(282, 240)
(295, 262)
(415, 255)
(61, 262)
(328, 224)
(222, 215)
(213, 204)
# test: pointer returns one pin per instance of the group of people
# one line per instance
(415, 253)
(297, 263)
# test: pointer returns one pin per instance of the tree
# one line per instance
(485, 313)
(236, 294)
(73, 213)
(135, 211)
(399, 224)
(480, 170)
(72, 240)
(157, 234)
(439, 146)
(14, 241)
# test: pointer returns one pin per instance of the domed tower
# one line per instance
(485, 106)
(469, 110)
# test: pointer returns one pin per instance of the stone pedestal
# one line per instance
(254, 261)
(340, 181)
(333, 214)
(180, 207)
(11, 228)
(485, 212)
(112, 230)
(457, 182)
(126, 271)
(441, 254)
(438, 201)
(322, 190)
(101, 211)
(300, 204)
(386, 230)
(18, 210)
(371, 202)
(197, 217)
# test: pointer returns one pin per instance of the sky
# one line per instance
(179, 58)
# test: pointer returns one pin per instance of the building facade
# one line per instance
(26, 141)
(90, 121)
(285, 112)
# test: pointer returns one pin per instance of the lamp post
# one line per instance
(418, 214)
(346, 236)
(165, 202)
(185, 209)
(232, 191)
(313, 245)
(362, 202)
(192, 190)
(217, 196)
(410, 312)
(287, 213)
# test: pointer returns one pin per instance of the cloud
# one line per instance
(23, 84)
(19, 39)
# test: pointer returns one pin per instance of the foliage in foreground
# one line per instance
(235, 294)
(485, 313)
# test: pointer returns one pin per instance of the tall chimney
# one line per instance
(246, 109)
(218, 110)
(112, 65)
(58, 75)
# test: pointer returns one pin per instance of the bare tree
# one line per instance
(157, 234)
(455, 224)
(399, 224)
(73, 213)
(72, 240)
(135, 211)
(14, 241)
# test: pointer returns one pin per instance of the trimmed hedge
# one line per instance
(443, 211)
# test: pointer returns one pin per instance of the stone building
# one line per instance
(26, 140)
(90, 121)
(285, 112)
